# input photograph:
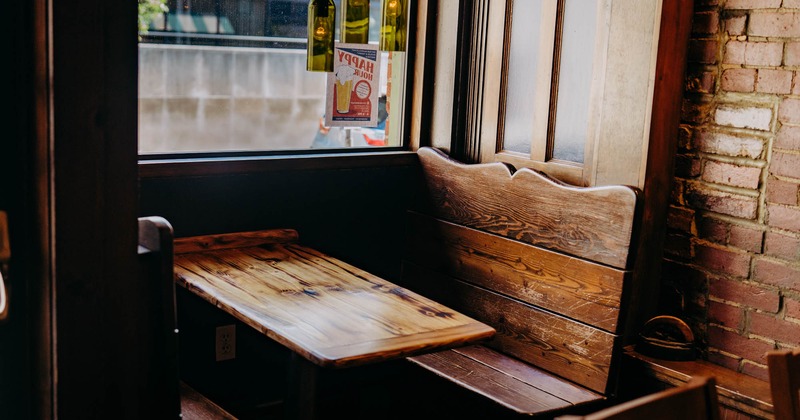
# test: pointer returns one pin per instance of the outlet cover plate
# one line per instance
(225, 343)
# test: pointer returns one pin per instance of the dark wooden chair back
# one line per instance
(177, 400)
(696, 400)
(784, 383)
(156, 272)
(546, 264)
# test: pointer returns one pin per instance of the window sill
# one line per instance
(165, 168)
(737, 391)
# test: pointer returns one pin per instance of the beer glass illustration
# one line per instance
(344, 86)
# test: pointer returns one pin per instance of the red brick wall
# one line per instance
(733, 246)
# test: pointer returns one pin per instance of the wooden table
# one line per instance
(324, 310)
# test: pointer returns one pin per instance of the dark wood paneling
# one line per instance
(26, 345)
(355, 214)
(26, 357)
(99, 300)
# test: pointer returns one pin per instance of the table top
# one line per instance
(328, 311)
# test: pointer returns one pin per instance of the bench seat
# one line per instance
(509, 382)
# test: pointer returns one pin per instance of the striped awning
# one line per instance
(183, 22)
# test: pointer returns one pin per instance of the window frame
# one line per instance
(207, 166)
(542, 141)
(157, 165)
(620, 109)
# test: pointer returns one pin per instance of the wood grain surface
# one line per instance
(329, 312)
(235, 240)
(784, 378)
(548, 265)
(594, 223)
(195, 406)
(570, 349)
(577, 288)
(517, 386)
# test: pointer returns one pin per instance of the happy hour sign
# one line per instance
(352, 92)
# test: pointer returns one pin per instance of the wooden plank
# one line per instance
(489, 382)
(234, 240)
(328, 311)
(565, 347)
(784, 379)
(595, 223)
(529, 374)
(576, 288)
(195, 406)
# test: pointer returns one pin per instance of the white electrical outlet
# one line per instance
(226, 342)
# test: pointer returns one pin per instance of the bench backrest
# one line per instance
(546, 264)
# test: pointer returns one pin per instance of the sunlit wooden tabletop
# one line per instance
(325, 310)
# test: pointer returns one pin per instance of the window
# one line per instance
(589, 66)
(228, 76)
(546, 76)
(561, 86)
(556, 58)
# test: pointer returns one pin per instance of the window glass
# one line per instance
(547, 80)
(523, 55)
(230, 76)
(574, 80)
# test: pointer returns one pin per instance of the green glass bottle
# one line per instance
(355, 21)
(321, 24)
(394, 20)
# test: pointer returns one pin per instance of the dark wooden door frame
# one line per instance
(26, 336)
(100, 308)
(77, 312)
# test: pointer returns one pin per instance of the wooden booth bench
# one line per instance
(546, 264)
(513, 286)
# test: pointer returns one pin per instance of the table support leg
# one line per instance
(301, 398)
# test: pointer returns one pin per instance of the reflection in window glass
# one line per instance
(522, 63)
(229, 75)
(574, 80)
